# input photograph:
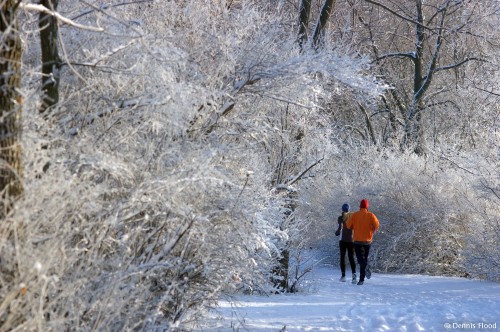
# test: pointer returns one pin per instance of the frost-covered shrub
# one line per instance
(128, 222)
(481, 254)
(150, 187)
(103, 240)
(432, 221)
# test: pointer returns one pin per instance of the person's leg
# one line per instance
(358, 248)
(342, 259)
(350, 255)
(343, 249)
(368, 271)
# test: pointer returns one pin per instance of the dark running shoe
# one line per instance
(360, 283)
(368, 272)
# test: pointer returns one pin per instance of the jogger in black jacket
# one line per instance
(345, 243)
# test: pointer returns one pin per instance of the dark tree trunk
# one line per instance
(10, 107)
(326, 12)
(414, 129)
(412, 126)
(304, 13)
(281, 271)
(51, 63)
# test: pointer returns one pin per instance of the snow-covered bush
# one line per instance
(432, 221)
(127, 223)
(481, 254)
(150, 188)
(115, 233)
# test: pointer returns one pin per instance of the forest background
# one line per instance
(157, 154)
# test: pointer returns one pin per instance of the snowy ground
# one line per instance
(383, 303)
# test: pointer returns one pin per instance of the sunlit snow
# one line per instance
(384, 303)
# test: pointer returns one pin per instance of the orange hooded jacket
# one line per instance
(364, 224)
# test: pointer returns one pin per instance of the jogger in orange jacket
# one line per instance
(364, 224)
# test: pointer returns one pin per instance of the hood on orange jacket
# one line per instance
(364, 224)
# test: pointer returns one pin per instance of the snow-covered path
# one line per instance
(383, 303)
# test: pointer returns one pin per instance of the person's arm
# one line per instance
(349, 222)
(339, 220)
(375, 223)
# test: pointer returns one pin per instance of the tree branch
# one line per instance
(368, 124)
(443, 103)
(435, 55)
(356, 130)
(484, 90)
(104, 6)
(397, 14)
(456, 65)
(491, 188)
(457, 165)
(410, 55)
(298, 177)
(43, 9)
(265, 95)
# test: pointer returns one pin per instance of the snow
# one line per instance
(384, 303)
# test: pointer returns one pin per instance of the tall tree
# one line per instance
(10, 105)
(445, 38)
(51, 63)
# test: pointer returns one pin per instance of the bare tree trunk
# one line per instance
(51, 63)
(281, 270)
(326, 12)
(411, 126)
(304, 13)
(10, 106)
(414, 130)
(368, 124)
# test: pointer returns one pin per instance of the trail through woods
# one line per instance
(384, 303)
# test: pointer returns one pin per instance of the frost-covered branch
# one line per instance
(408, 19)
(410, 55)
(427, 79)
(88, 119)
(487, 91)
(458, 64)
(106, 6)
(43, 9)
(299, 176)
(491, 189)
(105, 56)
